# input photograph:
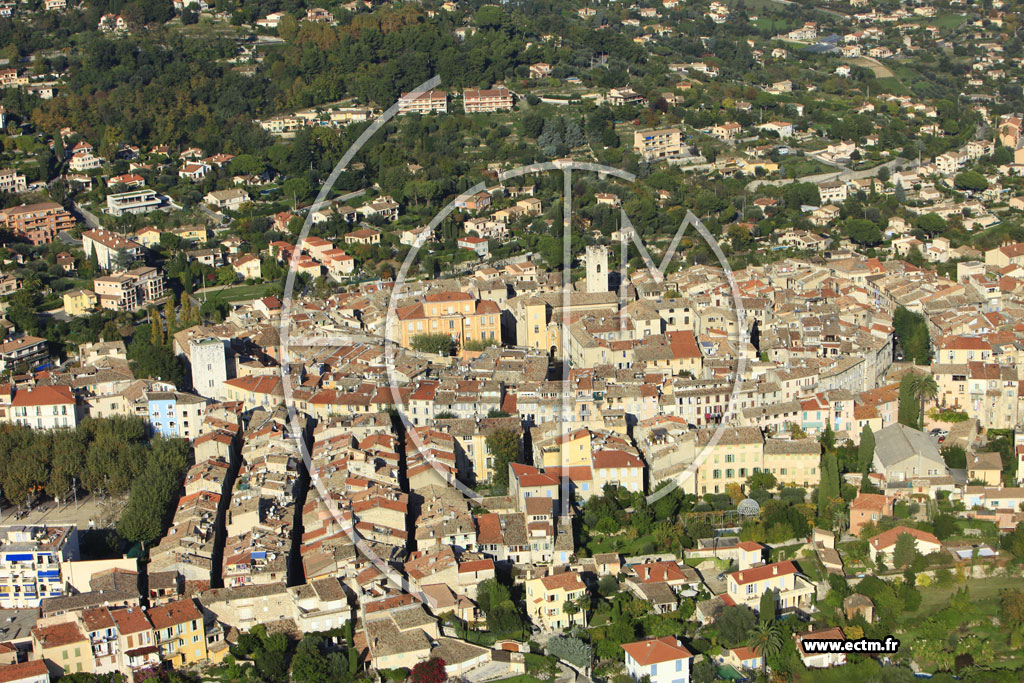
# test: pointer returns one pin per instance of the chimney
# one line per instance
(775, 570)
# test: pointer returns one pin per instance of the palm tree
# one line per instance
(924, 389)
(766, 641)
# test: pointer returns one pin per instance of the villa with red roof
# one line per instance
(822, 660)
(791, 590)
(475, 244)
(41, 407)
(661, 660)
(546, 597)
(881, 547)
(741, 658)
(868, 507)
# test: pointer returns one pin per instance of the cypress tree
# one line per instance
(865, 454)
(908, 411)
(156, 334)
(171, 315)
(828, 437)
(766, 609)
(828, 488)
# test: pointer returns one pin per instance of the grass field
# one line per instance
(798, 167)
(521, 678)
(880, 70)
(891, 85)
(945, 22)
(239, 293)
(600, 543)
(984, 590)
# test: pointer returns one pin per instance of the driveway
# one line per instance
(491, 671)
(88, 217)
(67, 239)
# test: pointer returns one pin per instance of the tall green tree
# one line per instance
(828, 488)
(905, 550)
(866, 447)
(766, 610)
(171, 315)
(828, 436)
(911, 330)
(766, 641)
(925, 389)
(865, 458)
(155, 491)
(503, 445)
(156, 329)
(908, 407)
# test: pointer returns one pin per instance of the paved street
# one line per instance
(90, 219)
(102, 513)
(68, 239)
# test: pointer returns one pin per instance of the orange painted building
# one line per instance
(457, 314)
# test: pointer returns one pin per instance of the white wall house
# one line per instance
(665, 660)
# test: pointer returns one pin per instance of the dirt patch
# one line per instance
(880, 70)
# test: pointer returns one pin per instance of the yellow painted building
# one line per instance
(567, 450)
(546, 598)
(63, 645)
(793, 461)
(193, 233)
(736, 455)
(532, 329)
(745, 587)
(180, 633)
(80, 302)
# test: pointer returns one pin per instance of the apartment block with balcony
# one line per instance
(32, 563)
(101, 630)
(130, 290)
(116, 292)
(37, 223)
(23, 352)
(180, 633)
(658, 144)
(427, 102)
(484, 101)
(107, 245)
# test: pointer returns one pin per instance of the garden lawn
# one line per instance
(238, 293)
(946, 22)
(934, 598)
(797, 166)
(601, 543)
(521, 678)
